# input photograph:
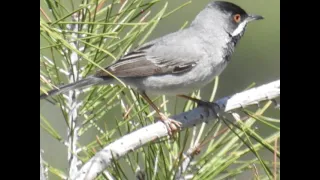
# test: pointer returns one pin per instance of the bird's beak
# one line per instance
(253, 17)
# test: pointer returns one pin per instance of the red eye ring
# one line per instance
(237, 18)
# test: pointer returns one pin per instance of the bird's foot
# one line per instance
(172, 125)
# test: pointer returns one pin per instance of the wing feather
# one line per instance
(155, 58)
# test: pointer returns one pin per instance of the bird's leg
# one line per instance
(202, 103)
(172, 125)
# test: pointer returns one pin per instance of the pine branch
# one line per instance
(137, 139)
(42, 170)
(72, 99)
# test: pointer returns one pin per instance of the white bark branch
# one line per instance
(136, 139)
(72, 100)
(185, 164)
(42, 170)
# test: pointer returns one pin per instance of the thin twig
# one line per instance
(192, 151)
(45, 15)
(275, 159)
(255, 171)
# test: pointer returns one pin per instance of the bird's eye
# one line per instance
(237, 18)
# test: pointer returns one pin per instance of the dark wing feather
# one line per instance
(148, 60)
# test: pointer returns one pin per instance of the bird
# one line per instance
(179, 62)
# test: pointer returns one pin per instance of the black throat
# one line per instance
(229, 49)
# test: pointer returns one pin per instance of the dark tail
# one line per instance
(89, 81)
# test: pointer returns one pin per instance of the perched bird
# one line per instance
(179, 62)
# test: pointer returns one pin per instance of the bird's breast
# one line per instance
(172, 84)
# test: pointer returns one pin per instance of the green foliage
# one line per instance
(105, 31)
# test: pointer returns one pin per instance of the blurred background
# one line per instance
(256, 60)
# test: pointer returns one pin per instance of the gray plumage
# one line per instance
(182, 61)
